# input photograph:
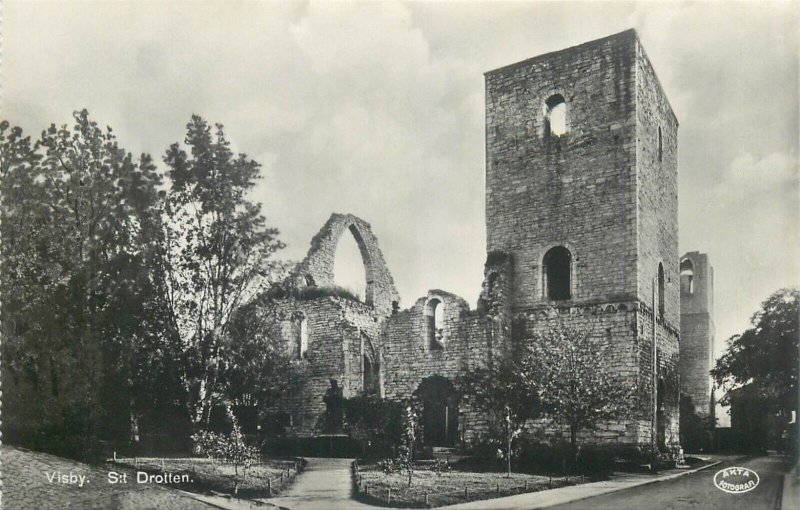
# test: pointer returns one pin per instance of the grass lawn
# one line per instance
(447, 488)
(205, 475)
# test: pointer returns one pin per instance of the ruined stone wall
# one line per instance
(657, 190)
(409, 358)
(317, 267)
(697, 334)
(335, 349)
(576, 190)
(667, 370)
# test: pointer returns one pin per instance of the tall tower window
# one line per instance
(557, 273)
(434, 319)
(661, 290)
(555, 116)
(687, 277)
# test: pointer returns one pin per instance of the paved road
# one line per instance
(697, 491)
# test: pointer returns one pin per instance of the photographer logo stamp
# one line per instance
(736, 480)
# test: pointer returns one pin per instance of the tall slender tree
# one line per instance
(216, 253)
(504, 391)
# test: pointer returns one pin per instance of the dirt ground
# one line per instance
(26, 486)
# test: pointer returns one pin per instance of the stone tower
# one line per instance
(581, 196)
(697, 330)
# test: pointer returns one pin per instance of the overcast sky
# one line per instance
(378, 110)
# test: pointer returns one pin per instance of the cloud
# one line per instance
(377, 109)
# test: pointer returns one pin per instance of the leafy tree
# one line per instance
(765, 356)
(258, 369)
(216, 249)
(575, 385)
(503, 390)
(79, 211)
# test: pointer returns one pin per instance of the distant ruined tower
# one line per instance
(581, 196)
(697, 331)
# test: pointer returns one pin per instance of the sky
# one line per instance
(377, 109)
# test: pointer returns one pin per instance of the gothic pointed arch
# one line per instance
(381, 292)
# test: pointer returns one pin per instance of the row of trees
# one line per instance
(127, 289)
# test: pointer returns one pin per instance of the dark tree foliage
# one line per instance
(79, 226)
(216, 250)
(121, 301)
(766, 355)
(258, 369)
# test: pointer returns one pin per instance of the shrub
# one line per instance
(229, 448)
(440, 467)
(376, 423)
(309, 293)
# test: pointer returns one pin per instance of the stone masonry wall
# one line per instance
(577, 190)
(335, 350)
(657, 190)
(697, 334)
(612, 325)
(409, 359)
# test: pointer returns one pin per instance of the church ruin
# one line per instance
(581, 227)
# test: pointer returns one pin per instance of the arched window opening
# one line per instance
(370, 367)
(555, 117)
(660, 290)
(557, 274)
(434, 318)
(310, 281)
(302, 336)
(660, 145)
(370, 380)
(395, 307)
(687, 277)
(349, 266)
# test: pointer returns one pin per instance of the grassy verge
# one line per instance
(267, 478)
(430, 489)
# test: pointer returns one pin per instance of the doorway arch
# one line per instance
(439, 417)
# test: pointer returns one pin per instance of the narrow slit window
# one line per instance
(661, 291)
(660, 145)
(302, 337)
